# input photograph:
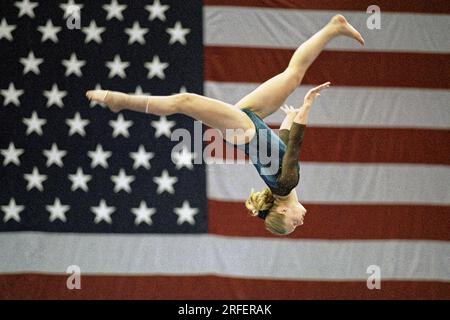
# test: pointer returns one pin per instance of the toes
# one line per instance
(361, 40)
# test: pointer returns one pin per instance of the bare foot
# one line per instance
(345, 28)
(100, 97)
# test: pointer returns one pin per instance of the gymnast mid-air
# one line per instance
(241, 124)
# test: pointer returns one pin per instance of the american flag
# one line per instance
(83, 186)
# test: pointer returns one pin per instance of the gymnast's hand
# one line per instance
(314, 93)
(289, 110)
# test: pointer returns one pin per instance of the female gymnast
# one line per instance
(278, 204)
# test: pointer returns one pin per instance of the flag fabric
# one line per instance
(84, 187)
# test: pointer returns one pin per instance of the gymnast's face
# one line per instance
(294, 214)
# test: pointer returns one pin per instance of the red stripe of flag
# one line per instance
(38, 286)
(366, 145)
(342, 68)
(340, 222)
(416, 6)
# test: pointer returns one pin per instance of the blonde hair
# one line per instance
(264, 200)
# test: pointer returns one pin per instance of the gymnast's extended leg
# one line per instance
(270, 95)
(212, 112)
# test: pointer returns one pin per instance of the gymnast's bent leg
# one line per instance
(270, 95)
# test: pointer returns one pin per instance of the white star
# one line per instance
(120, 126)
(165, 183)
(31, 63)
(54, 156)
(11, 155)
(140, 92)
(114, 10)
(12, 211)
(143, 214)
(141, 158)
(34, 124)
(136, 33)
(80, 180)
(99, 157)
(77, 125)
(55, 96)
(94, 103)
(157, 10)
(93, 33)
(26, 8)
(73, 65)
(183, 158)
(156, 68)
(117, 67)
(6, 29)
(71, 8)
(163, 127)
(57, 211)
(186, 213)
(122, 181)
(12, 95)
(35, 180)
(49, 32)
(178, 33)
(103, 212)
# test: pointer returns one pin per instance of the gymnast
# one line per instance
(278, 204)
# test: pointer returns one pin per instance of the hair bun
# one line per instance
(259, 201)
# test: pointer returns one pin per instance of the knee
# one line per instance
(295, 75)
(182, 100)
(185, 97)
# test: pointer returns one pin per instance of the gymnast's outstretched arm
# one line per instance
(289, 176)
(283, 133)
